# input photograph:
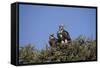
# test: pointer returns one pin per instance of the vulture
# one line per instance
(63, 35)
(52, 40)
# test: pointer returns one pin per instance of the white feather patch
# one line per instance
(66, 41)
(62, 42)
(60, 35)
(51, 37)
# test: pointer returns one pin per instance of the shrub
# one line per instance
(79, 49)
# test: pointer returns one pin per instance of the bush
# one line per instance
(79, 49)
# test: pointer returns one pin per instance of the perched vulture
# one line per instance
(63, 35)
(52, 40)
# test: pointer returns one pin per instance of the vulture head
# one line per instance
(61, 27)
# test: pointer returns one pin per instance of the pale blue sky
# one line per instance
(37, 22)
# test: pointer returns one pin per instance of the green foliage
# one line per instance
(27, 54)
(74, 51)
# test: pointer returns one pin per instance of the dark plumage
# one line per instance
(81, 41)
(52, 40)
(63, 35)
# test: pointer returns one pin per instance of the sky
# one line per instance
(37, 22)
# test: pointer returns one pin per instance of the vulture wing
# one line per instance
(67, 35)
